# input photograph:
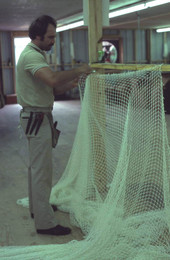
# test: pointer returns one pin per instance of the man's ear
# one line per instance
(38, 37)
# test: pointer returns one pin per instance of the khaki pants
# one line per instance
(40, 173)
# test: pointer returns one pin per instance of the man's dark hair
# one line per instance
(39, 26)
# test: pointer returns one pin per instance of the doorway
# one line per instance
(19, 44)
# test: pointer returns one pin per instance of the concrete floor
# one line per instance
(16, 226)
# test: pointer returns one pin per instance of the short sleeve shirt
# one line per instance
(31, 91)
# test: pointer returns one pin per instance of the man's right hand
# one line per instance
(85, 69)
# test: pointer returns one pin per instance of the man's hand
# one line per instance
(68, 86)
(85, 69)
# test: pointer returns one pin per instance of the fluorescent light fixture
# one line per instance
(156, 3)
(70, 19)
(70, 26)
(137, 8)
(163, 30)
(127, 10)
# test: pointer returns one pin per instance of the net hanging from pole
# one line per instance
(116, 185)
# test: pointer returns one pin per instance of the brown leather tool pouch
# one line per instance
(55, 132)
(55, 135)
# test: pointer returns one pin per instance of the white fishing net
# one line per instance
(117, 180)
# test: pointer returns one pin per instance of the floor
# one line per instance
(16, 226)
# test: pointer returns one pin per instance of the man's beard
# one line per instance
(48, 48)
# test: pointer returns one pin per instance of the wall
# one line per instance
(136, 44)
(6, 57)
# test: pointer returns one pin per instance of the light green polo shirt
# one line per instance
(31, 91)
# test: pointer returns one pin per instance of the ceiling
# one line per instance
(16, 15)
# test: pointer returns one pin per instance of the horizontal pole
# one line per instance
(119, 66)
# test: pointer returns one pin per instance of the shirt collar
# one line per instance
(35, 47)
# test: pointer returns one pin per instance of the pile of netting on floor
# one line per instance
(116, 185)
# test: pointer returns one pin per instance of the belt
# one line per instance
(38, 119)
(34, 122)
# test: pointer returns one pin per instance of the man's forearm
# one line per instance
(58, 78)
(63, 77)
(62, 88)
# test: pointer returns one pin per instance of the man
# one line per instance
(35, 85)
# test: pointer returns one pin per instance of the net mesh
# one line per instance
(116, 183)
